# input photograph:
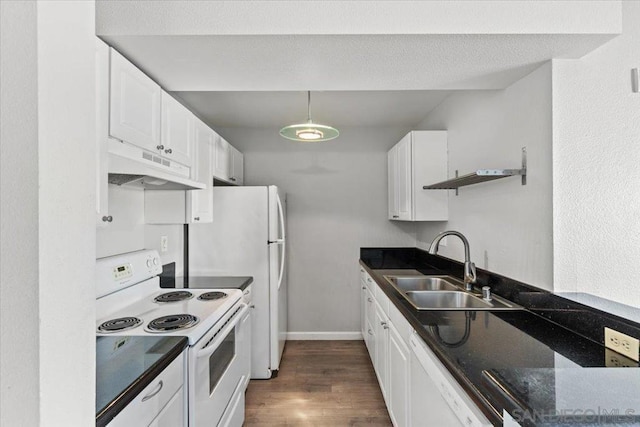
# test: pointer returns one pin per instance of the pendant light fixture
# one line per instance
(309, 131)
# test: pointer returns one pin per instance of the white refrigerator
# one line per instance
(247, 238)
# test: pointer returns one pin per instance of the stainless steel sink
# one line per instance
(455, 300)
(423, 283)
(440, 292)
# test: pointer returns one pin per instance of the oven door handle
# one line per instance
(213, 345)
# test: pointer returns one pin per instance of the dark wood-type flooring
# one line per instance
(320, 383)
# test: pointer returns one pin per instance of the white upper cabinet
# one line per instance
(102, 133)
(200, 202)
(236, 174)
(135, 105)
(177, 131)
(222, 156)
(228, 163)
(420, 158)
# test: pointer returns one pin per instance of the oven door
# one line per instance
(215, 369)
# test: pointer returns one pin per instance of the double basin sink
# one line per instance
(443, 293)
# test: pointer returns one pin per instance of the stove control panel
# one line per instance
(120, 271)
(123, 271)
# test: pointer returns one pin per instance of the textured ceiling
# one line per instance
(348, 62)
(340, 109)
(247, 64)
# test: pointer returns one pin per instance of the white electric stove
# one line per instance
(130, 302)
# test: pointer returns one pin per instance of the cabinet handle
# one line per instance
(368, 279)
(168, 151)
(385, 326)
(361, 271)
(196, 218)
(153, 393)
(370, 333)
(369, 299)
(252, 306)
(107, 218)
(364, 287)
(396, 216)
(383, 323)
(232, 179)
(160, 147)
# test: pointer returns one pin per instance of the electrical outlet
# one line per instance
(623, 344)
(164, 243)
(615, 360)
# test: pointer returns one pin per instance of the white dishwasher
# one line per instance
(436, 397)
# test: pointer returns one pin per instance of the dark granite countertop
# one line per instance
(126, 365)
(555, 397)
(469, 343)
(209, 282)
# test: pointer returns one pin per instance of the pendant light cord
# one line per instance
(309, 106)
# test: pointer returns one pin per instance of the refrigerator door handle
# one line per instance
(281, 239)
(284, 245)
(280, 216)
(278, 241)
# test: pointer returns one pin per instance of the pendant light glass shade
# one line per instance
(309, 131)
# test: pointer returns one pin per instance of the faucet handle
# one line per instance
(469, 275)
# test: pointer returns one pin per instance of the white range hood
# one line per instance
(135, 167)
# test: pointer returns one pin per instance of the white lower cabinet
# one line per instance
(381, 361)
(417, 388)
(173, 414)
(161, 403)
(399, 370)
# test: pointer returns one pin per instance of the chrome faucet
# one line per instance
(469, 267)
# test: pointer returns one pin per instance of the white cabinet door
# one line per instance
(172, 415)
(200, 202)
(403, 174)
(363, 306)
(102, 133)
(399, 370)
(135, 105)
(381, 361)
(151, 401)
(177, 131)
(370, 315)
(420, 158)
(222, 165)
(392, 170)
(236, 175)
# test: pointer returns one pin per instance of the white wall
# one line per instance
(511, 222)
(67, 243)
(336, 203)
(48, 219)
(19, 252)
(596, 140)
(128, 231)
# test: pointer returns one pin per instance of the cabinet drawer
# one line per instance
(369, 283)
(400, 323)
(382, 299)
(150, 401)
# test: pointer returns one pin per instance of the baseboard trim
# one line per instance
(320, 336)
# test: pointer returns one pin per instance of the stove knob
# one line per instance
(149, 263)
(155, 261)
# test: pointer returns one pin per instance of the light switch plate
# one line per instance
(623, 344)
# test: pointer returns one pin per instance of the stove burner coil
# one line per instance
(118, 325)
(172, 322)
(173, 296)
(209, 296)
